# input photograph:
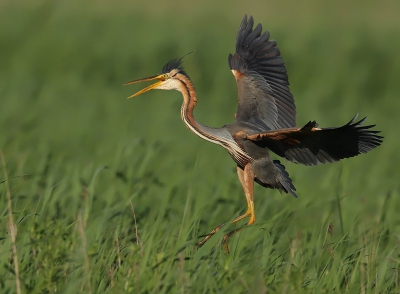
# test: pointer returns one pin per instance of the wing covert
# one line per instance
(263, 93)
(311, 145)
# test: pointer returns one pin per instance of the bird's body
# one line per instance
(265, 119)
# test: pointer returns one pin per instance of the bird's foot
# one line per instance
(206, 238)
(226, 237)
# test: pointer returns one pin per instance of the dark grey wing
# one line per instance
(311, 145)
(263, 86)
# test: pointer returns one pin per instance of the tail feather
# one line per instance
(284, 180)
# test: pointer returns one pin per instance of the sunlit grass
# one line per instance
(110, 195)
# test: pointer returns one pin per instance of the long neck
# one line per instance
(189, 102)
(220, 136)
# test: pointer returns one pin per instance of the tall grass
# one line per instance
(109, 195)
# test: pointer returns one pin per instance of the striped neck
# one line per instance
(220, 136)
(189, 102)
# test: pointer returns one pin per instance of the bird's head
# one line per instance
(167, 79)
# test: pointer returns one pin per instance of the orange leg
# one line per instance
(246, 178)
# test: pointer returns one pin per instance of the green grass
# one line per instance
(109, 195)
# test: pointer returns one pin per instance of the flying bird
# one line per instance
(265, 120)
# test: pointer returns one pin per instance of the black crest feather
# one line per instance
(175, 63)
(172, 64)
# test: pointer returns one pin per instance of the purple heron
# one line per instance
(265, 120)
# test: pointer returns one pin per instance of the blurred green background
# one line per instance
(64, 118)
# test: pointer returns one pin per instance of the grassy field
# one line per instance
(110, 196)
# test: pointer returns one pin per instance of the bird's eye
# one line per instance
(166, 76)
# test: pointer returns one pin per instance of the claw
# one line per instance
(230, 234)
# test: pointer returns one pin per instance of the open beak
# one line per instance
(160, 79)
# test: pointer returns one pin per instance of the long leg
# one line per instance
(246, 178)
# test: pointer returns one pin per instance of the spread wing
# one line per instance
(311, 145)
(263, 86)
